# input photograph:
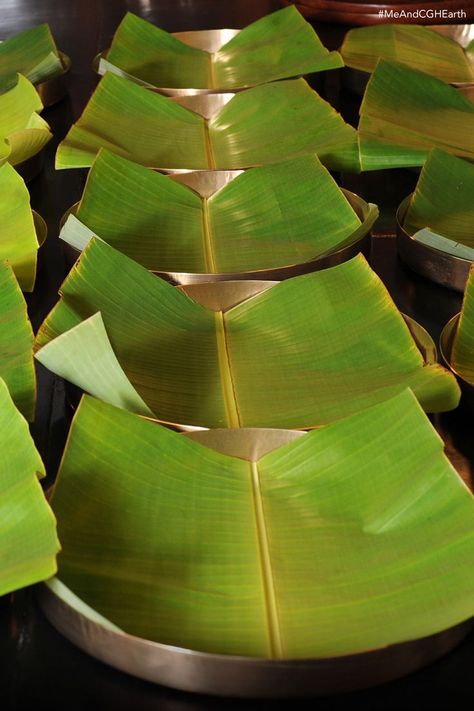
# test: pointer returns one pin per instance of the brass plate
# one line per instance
(445, 346)
(207, 40)
(207, 182)
(440, 267)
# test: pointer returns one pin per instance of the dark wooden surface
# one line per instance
(37, 666)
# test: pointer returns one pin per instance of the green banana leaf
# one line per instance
(349, 538)
(301, 353)
(17, 366)
(23, 133)
(418, 47)
(266, 217)
(405, 113)
(28, 541)
(18, 240)
(278, 46)
(33, 53)
(462, 354)
(261, 125)
(443, 202)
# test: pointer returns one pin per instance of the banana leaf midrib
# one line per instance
(229, 393)
(268, 583)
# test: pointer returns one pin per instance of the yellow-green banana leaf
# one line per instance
(28, 541)
(462, 355)
(33, 53)
(17, 366)
(266, 217)
(405, 113)
(443, 201)
(18, 240)
(278, 46)
(261, 125)
(301, 353)
(418, 47)
(350, 538)
(23, 133)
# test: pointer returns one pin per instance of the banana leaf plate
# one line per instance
(206, 183)
(268, 672)
(445, 269)
(355, 79)
(261, 125)
(278, 46)
(420, 335)
(217, 332)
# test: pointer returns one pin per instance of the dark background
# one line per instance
(38, 666)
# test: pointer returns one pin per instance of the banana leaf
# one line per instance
(278, 46)
(349, 538)
(443, 202)
(266, 217)
(405, 113)
(28, 541)
(18, 240)
(17, 367)
(418, 47)
(23, 133)
(462, 354)
(298, 354)
(32, 53)
(261, 125)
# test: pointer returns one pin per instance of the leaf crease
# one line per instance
(271, 608)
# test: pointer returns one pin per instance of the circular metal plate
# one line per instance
(445, 346)
(440, 267)
(199, 181)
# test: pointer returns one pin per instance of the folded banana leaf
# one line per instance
(294, 354)
(443, 202)
(278, 46)
(23, 133)
(17, 366)
(277, 215)
(261, 125)
(28, 541)
(462, 353)
(18, 238)
(405, 113)
(418, 47)
(347, 539)
(32, 53)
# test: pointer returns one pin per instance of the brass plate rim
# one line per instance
(287, 271)
(445, 348)
(228, 675)
(184, 91)
(427, 261)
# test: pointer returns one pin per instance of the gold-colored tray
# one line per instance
(446, 346)
(228, 675)
(442, 268)
(53, 90)
(206, 183)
